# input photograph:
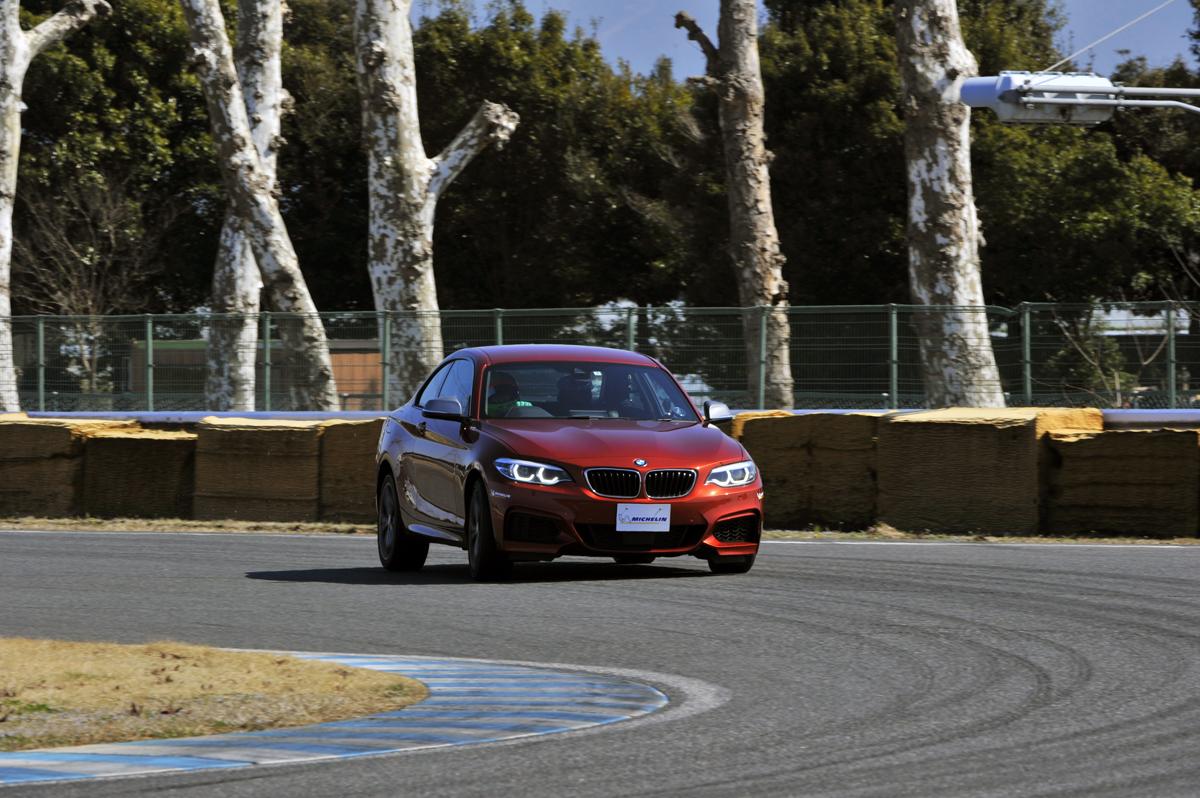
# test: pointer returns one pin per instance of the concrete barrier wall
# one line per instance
(1018, 471)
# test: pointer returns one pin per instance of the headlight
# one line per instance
(732, 475)
(531, 473)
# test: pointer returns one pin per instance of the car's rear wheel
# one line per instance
(398, 550)
(484, 559)
(634, 559)
(731, 565)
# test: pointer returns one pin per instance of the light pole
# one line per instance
(1071, 98)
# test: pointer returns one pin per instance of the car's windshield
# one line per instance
(583, 390)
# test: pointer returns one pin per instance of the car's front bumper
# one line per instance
(542, 523)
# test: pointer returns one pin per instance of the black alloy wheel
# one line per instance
(731, 565)
(398, 550)
(484, 560)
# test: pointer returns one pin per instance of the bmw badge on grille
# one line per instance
(639, 462)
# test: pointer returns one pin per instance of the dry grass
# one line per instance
(884, 532)
(55, 693)
(186, 525)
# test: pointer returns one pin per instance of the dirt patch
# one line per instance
(55, 693)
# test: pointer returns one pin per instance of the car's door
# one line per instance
(446, 445)
(414, 480)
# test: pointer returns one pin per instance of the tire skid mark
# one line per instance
(1162, 630)
(470, 702)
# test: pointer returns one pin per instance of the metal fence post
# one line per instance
(41, 364)
(1172, 395)
(762, 356)
(149, 363)
(265, 317)
(385, 359)
(893, 357)
(631, 328)
(1026, 355)
(498, 322)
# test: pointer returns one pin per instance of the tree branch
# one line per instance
(73, 16)
(493, 123)
(688, 22)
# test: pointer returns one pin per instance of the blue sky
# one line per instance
(641, 30)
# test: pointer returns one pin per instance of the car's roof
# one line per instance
(543, 353)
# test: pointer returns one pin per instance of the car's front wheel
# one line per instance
(398, 550)
(484, 559)
(731, 565)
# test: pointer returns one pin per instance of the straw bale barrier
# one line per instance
(348, 469)
(970, 470)
(41, 464)
(738, 426)
(816, 467)
(257, 470)
(1138, 482)
(145, 473)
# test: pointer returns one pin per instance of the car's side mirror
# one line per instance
(717, 412)
(443, 408)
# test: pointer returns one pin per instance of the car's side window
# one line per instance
(433, 387)
(458, 384)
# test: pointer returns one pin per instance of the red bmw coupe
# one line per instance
(520, 453)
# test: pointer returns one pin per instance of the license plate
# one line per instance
(643, 518)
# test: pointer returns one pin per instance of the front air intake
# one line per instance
(743, 529)
(614, 483)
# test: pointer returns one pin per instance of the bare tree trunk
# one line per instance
(957, 361)
(733, 69)
(17, 49)
(404, 185)
(237, 283)
(250, 190)
(233, 334)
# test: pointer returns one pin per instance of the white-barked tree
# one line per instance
(250, 188)
(958, 364)
(404, 185)
(18, 47)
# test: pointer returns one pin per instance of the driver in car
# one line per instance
(503, 394)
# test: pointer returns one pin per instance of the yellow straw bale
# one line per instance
(145, 473)
(257, 470)
(739, 422)
(969, 470)
(1135, 482)
(41, 464)
(348, 469)
(816, 467)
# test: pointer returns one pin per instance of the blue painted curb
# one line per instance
(470, 701)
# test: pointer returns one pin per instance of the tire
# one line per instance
(398, 550)
(633, 559)
(731, 565)
(484, 560)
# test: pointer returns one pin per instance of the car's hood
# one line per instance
(615, 442)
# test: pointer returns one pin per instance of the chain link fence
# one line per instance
(1144, 355)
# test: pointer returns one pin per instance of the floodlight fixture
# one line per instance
(1072, 98)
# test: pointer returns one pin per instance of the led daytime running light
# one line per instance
(733, 475)
(530, 473)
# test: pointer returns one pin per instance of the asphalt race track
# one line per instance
(884, 670)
